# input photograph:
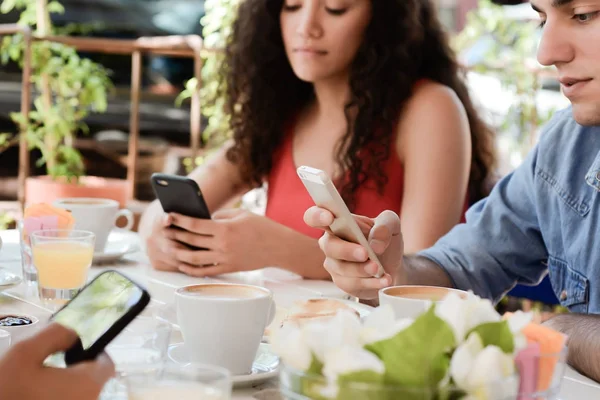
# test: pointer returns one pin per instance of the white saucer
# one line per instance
(265, 367)
(119, 243)
(8, 279)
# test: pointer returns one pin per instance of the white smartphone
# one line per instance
(325, 195)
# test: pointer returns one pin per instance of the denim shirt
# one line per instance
(542, 218)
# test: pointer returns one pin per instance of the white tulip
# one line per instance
(484, 373)
(289, 343)
(465, 314)
(381, 324)
(341, 330)
(517, 322)
(463, 359)
(346, 360)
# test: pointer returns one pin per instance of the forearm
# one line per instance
(300, 254)
(417, 270)
(583, 342)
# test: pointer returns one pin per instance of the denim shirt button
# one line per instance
(563, 295)
(598, 175)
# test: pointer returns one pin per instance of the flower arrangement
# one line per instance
(461, 348)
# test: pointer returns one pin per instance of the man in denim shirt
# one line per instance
(542, 218)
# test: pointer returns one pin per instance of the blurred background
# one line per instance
(496, 42)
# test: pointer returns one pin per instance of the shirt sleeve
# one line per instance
(500, 244)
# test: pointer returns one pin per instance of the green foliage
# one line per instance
(496, 334)
(510, 58)
(68, 86)
(6, 221)
(217, 25)
(410, 364)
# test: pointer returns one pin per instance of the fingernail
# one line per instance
(359, 255)
(377, 245)
(385, 281)
(323, 218)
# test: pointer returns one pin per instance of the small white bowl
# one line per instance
(4, 341)
(21, 332)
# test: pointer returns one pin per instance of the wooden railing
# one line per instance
(174, 46)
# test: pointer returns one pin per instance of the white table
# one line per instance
(286, 288)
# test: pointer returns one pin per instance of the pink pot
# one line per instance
(44, 189)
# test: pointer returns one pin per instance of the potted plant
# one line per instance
(67, 88)
(217, 22)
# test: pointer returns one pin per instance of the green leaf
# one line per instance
(496, 334)
(7, 6)
(56, 7)
(316, 367)
(417, 357)
(311, 387)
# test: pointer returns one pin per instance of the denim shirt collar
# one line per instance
(592, 178)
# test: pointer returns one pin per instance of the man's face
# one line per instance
(571, 42)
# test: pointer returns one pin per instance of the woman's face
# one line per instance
(322, 37)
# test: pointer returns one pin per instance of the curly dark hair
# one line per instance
(403, 43)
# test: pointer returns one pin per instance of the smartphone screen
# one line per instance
(100, 305)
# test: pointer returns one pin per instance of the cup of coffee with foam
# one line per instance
(222, 324)
(411, 301)
(96, 215)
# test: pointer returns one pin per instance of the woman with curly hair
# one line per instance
(368, 91)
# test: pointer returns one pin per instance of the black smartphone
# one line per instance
(99, 312)
(180, 195)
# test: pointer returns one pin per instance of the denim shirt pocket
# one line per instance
(571, 287)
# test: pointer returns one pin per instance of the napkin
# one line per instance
(42, 216)
(528, 367)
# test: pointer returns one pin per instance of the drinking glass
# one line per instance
(62, 259)
(29, 272)
(144, 341)
(170, 381)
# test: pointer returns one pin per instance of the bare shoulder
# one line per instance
(434, 112)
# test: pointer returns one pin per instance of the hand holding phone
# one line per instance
(99, 312)
(325, 195)
(181, 195)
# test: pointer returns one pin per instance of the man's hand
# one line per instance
(23, 376)
(348, 263)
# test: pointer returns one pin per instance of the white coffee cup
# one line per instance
(411, 301)
(96, 215)
(21, 332)
(223, 324)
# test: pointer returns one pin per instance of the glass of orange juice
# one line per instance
(62, 259)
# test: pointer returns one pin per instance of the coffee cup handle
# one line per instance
(128, 215)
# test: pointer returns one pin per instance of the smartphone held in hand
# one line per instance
(325, 195)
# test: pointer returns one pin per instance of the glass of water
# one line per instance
(144, 341)
(171, 381)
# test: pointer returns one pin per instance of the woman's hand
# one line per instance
(235, 240)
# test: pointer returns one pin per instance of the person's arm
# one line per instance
(23, 374)
(583, 343)
(500, 245)
(434, 145)
(243, 241)
(218, 178)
